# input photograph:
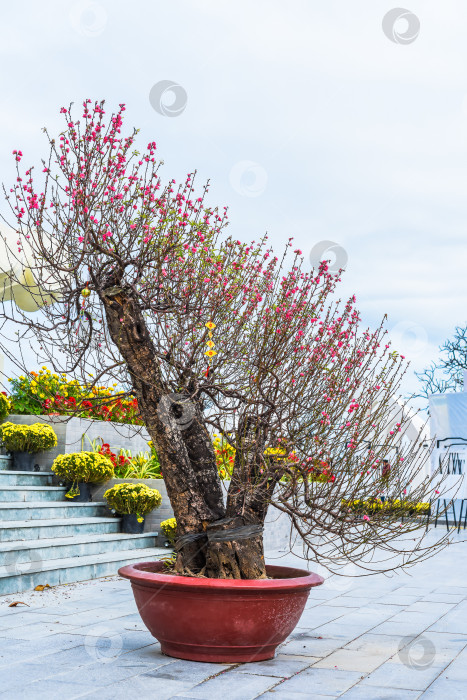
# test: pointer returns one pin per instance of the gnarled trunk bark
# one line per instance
(186, 455)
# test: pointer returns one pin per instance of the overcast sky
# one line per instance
(310, 120)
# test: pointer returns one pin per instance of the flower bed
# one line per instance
(392, 507)
(46, 393)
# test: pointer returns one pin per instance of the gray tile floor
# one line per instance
(385, 637)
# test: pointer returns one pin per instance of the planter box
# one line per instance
(276, 528)
(72, 434)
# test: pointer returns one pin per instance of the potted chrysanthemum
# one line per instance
(133, 502)
(79, 470)
(26, 441)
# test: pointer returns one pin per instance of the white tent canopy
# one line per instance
(448, 420)
(17, 281)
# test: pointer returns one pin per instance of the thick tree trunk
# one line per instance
(186, 455)
(231, 555)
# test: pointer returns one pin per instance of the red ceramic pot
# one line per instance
(225, 621)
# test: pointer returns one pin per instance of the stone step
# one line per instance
(32, 493)
(57, 527)
(11, 478)
(19, 552)
(43, 510)
(72, 569)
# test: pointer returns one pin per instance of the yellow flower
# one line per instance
(210, 353)
(210, 344)
(210, 325)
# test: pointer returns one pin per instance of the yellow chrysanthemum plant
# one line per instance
(27, 438)
(5, 406)
(169, 528)
(82, 468)
(129, 499)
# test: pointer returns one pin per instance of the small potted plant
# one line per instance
(81, 469)
(169, 528)
(25, 441)
(133, 502)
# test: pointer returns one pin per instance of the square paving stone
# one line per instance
(308, 644)
(47, 690)
(192, 672)
(454, 621)
(426, 606)
(124, 639)
(338, 630)
(353, 660)
(444, 688)
(25, 618)
(36, 630)
(322, 681)
(281, 666)
(359, 692)
(401, 629)
(231, 686)
(443, 598)
(348, 601)
(371, 643)
(396, 675)
(20, 674)
(99, 674)
(278, 694)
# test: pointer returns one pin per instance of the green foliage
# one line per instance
(83, 466)
(23, 401)
(142, 466)
(5, 406)
(133, 498)
(169, 528)
(27, 438)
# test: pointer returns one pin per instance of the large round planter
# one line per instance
(219, 620)
(23, 461)
(84, 495)
(130, 524)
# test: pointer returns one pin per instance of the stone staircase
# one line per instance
(46, 539)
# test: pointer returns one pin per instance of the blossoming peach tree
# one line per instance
(141, 285)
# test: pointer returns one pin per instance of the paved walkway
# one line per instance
(374, 638)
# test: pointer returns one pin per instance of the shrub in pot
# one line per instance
(25, 441)
(211, 334)
(80, 469)
(133, 502)
(169, 528)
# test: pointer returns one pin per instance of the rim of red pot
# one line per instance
(143, 573)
